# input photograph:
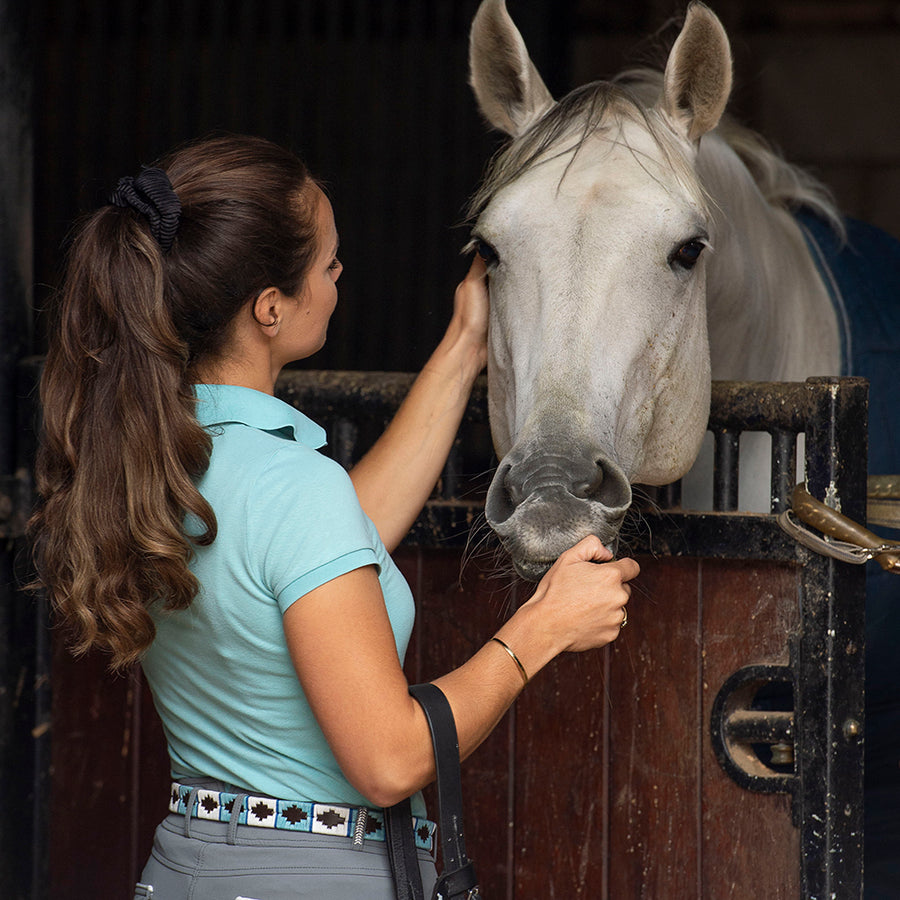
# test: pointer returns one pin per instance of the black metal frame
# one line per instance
(826, 672)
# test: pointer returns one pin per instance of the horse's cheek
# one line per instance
(680, 410)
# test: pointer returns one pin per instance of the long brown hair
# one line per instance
(121, 448)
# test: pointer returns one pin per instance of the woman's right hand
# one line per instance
(580, 603)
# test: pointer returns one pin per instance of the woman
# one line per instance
(188, 522)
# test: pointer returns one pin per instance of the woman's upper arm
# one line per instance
(345, 655)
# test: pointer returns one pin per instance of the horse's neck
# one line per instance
(769, 312)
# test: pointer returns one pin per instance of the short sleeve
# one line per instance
(305, 525)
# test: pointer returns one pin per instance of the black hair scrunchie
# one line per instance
(152, 195)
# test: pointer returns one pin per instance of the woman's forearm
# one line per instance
(395, 478)
(376, 730)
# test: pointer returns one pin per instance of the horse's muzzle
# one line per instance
(543, 500)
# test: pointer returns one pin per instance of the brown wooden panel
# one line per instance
(749, 612)
(560, 780)
(153, 777)
(91, 823)
(654, 737)
(600, 783)
(458, 610)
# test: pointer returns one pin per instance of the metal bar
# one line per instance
(784, 468)
(758, 405)
(756, 726)
(344, 440)
(725, 470)
(669, 496)
(449, 486)
(828, 685)
(23, 844)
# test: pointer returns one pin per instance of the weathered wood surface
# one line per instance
(601, 783)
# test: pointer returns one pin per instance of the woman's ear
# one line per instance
(267, 310)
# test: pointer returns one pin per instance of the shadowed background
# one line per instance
(374, 95)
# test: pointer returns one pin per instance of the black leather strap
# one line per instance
(401, 847)
(458, 878)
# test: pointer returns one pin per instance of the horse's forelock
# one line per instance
(570, 123)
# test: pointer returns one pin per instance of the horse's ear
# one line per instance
(698, 74)
(509, 90)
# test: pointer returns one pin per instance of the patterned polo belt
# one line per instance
(359, 823)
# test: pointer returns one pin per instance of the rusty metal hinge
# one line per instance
(15, 504)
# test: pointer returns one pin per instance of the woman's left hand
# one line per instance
(471, 305)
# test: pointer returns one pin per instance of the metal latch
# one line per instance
(749, 713)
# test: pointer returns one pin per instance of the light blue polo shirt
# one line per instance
(288, 521)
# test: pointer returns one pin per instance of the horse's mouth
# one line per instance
(536, 569)
(532, 569)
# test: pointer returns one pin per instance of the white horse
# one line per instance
(638, 246)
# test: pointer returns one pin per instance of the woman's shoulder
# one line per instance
(246, 449)
(247, 459)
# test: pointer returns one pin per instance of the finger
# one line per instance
(590, 549)
(477, 269)
(628, 568)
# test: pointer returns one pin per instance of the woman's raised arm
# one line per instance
(395, 478)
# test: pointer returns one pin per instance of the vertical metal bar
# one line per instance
(829, 687)
(35, 700)
(450, 474)
(345, 436)
(22, 771)
(725, 470)
(784, 469)
(669, 496)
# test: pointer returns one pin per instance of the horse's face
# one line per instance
(599, 363)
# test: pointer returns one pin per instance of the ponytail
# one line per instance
(121, 446)
(153, 285)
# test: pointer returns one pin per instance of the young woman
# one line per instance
(189, 522)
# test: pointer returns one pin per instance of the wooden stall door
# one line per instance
(602, 783)
(109, 779)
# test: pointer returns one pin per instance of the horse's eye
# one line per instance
(687, 254)
(486, 252)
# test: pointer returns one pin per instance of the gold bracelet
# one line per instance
(514, 658)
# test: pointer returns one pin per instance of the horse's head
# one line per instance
(595, 230)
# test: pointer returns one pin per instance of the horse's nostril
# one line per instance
(513, 492)
(610, 487)
(589, 489)
(502, 497)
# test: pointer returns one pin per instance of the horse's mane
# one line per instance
(633, 95)
(782, 183)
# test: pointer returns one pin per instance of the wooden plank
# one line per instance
(91, 793)
(750, 609)
(458, 612)
(151, 777)
(654, 738)
(560, 803)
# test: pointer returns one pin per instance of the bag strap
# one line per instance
(458, 878)
(401, 847)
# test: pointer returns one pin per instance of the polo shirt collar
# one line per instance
(224, 404)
